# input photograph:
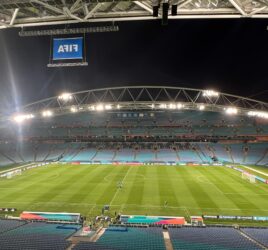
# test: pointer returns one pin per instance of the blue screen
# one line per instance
(67, 48)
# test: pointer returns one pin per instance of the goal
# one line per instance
(11, 174)
(250, 177)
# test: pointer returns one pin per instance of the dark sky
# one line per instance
(227, 55)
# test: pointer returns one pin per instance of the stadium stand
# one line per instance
(17, 234)
(6, 225)
(128, 238)
(259, 234)
(124, 155)
(209, 238)
(35, 235)
(254, 153)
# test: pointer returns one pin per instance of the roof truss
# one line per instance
(23, 13)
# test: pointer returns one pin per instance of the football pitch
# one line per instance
(186, 190)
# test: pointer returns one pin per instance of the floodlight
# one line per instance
(231, 111)
(172, 106)
(210, 93)
(65, 97)
(179, 106)
(73, 109)
(163, 105)
(153, 106)
(260, 114)
(201, 107)
(118, 106)
(91, 107)
(99, 107)
(108, 106)
(22, 117)
(47, 113)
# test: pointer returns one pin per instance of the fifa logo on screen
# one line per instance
(68, 48)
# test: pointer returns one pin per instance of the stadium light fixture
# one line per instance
(22, 117)
(118, 106)
(202, 107)
(259, 114)
(163, 106)
(108, 107)
(153, 106)
(47, 113)
(179, 106)
(65, 97)
(210, 93)
(231, 111)
(100, 107)
(73, 109)
(172, 106)
(92, 107)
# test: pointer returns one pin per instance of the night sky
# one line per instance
(226, 55)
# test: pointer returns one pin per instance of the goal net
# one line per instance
(249, 177)
(13, 173)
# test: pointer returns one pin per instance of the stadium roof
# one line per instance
(24, 13)
(143, 98)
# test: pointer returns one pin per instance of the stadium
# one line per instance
(136, 158)
(133, 125)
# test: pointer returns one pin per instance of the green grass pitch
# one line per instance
(86, 188)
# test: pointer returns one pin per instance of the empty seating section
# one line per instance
(42, 151)
(204, 130)
(219, 238)
(167, 155)
(255, 153)
(205, 152)
(125, 155)
(133, 238)
(27, 152)
(10, 153)
(4, 161)
(188, 156)
(72, 150)
(264, 160)
(238, 153)
(83, 131)
(221, 153)
(6, 225)
(258, 234)
(37, 235)
(16, 234)
(104, 156)
(197, 152)
(247, 130)
(84, 155)
(223, 131)
(56, 152)
(204, 158)
(145, 155)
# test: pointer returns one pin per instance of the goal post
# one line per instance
(250, 177)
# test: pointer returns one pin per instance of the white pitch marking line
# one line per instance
(130, 205)
(117, 191)
(208, 182)
(255, 170)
